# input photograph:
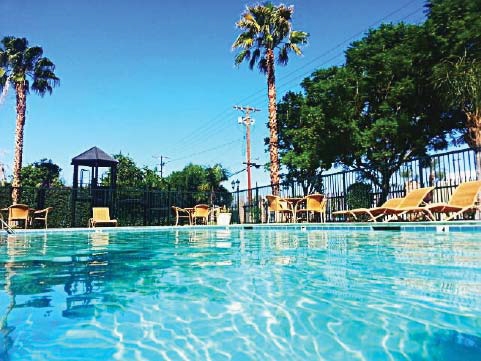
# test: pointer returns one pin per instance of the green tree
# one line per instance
(301, 148)
(460, 82)
(400, 117)
(455, 26)
(44, 174)
(267, 29)
(200, 185)
(26, 69)
(129, 175)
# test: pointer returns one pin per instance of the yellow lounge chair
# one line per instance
(313, 203)
(101, 215)
(462, 200)
(373, 213)
(411, 203)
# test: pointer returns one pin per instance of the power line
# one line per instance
(206, 150)
(198, 135)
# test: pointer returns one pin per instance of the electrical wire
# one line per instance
(198, 135)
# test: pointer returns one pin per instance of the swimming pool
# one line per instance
(240, 294)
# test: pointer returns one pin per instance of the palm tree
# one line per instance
(267, 29)
(25, 69)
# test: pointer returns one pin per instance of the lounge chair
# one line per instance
(411, 203)
(462, 200)
(278, 205)
(41, 215)
(313, 203)
(101, 215)
(181, 213)
(372, 213)
(397, 207)
(18, 213)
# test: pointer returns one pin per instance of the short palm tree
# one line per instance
(25, 69)
(267, 30)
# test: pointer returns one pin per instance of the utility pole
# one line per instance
(161, 158)
(247, 121)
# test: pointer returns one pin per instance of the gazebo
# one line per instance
(94, 158)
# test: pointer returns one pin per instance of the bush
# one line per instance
(359, 195)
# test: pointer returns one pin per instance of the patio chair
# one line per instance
(41, 215)
(181, 213)
(101, 215)
(313, 203)
(462, 200)
(201, 213)
(278, 205)
(18, 213)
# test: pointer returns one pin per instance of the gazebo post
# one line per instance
(74, 194)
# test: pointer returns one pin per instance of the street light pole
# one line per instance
(247, 121)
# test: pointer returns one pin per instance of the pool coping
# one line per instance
(453, 226)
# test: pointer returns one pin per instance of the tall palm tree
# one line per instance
(268, 37)
(25, 69)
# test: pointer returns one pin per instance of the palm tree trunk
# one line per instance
(21, 96)
(273, 135)
(473, 136)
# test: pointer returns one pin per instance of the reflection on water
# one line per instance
(315, 284)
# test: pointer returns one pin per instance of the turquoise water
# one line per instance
(240, 295)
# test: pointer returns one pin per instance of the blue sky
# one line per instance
(150, 78)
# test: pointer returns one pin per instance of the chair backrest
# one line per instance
(18, 211)
(101, 213)
(465, 194)
(415, 197)
(392, 203)
(315, 202)
(201, 210)
(274, 203)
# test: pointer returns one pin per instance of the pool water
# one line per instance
(240, 294)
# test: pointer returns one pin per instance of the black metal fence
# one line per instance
(145, 207)
(350, 189)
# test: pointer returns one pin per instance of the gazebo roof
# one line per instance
(94, 157)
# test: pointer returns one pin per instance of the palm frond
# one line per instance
(263, 65)
(255, 56)
(282, 56)
(32, 55)
(243, 55)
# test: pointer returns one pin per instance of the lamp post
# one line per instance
(234, 184)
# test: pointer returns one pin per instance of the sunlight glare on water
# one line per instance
(235, 294)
